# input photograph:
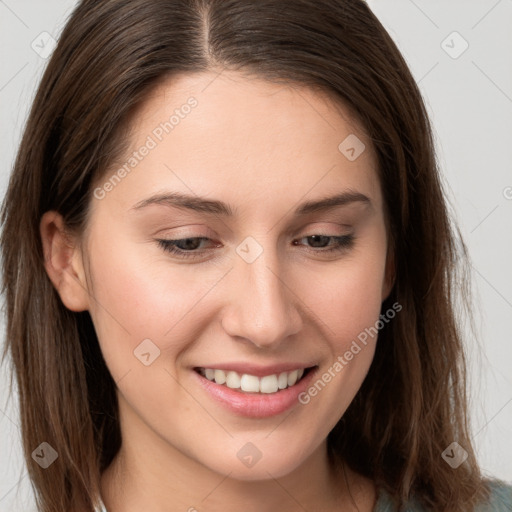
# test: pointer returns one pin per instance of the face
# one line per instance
(230, 268)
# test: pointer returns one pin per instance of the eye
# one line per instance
(183, 247)
(188, 247)
(341, 243)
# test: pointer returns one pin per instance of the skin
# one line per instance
(264, 149)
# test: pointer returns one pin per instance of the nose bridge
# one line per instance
(262, 309)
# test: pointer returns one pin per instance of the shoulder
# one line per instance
(500, 500)
(385, 503)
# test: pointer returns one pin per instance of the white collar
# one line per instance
(102, 507)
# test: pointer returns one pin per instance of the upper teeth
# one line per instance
(251, 383)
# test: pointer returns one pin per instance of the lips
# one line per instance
(255, 392)
(249, 383)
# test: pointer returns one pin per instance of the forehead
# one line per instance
(210, 133)
(234, 103)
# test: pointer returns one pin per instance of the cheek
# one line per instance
(349, 307)
(136, 299)
(348, 297)
(356, 303)
(347, 300)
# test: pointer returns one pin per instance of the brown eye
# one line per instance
(183, 247)
(341, 243)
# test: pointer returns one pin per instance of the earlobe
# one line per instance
(63, 262)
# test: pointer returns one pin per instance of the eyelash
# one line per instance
(342, 244)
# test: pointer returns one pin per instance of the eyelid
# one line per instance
(320, 227)
(342, 244)
(303, 233)
(181, 232)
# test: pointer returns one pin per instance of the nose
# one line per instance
(263, 308)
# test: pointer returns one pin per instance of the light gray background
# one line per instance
(470, 101)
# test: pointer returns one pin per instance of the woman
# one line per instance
(225, 228)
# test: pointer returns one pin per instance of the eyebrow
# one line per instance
(203, 205)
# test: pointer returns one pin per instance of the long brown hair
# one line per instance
(413, 403)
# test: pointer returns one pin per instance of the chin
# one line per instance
(270, 462)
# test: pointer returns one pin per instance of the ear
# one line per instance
(389, 274)
(63, 262)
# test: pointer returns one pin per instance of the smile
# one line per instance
(269, 393)
(251, 383)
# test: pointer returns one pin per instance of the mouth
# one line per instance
(247, 383)
(255, 396)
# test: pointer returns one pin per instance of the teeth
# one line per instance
(251, 383)
(292, 378)
(269, 384)
(232, 380)
(219, 376)
(282, 381)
